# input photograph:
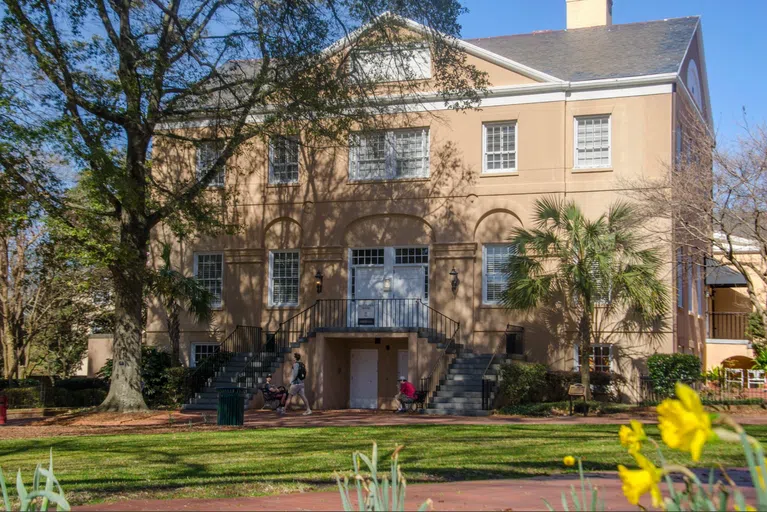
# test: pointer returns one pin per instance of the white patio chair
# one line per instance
(755, 379)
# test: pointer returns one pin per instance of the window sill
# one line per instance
(586, 170)
(390, 180)
(283, 185)
(500, 174)
(491, 306)
(282, 306)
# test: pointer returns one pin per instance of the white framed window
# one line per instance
(284, 278)
(495, 257)
(209, 272)
(389, 155)
(604, 290)
(601, 359)
(593, 140)
(393, 65)
(201, 351)
(690, 284)
(363, 258)
(679, 278)
(679, 146)
(207, 154)
(499, 141)
(283, 160)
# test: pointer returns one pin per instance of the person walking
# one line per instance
(297, 377)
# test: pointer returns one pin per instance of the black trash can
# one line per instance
(231, 406)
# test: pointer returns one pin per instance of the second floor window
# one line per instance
(592, 142)
(283, 278)
(500, 147)
(283, 160)
(207, 154)
(209, 271)
(389, 155)
(494, 261)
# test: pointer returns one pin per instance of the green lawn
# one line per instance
(208, 464)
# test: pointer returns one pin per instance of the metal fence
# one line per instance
(724, 392)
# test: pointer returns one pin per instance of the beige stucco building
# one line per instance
(407, 229)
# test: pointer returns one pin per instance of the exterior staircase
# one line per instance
(459, 393)
(243, 370)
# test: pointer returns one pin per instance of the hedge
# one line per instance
(32, 397)
(667, 369)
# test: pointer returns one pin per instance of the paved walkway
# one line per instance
(527, 494)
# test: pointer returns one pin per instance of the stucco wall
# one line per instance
(455, 212)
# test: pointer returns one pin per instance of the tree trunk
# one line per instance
(128, 275)
(174, 331)
(584, 332)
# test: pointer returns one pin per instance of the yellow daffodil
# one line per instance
(748, 508)
(683, 423)
(569, 460)
(632, 437)
(637, 482)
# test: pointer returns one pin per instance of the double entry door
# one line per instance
(389, 287)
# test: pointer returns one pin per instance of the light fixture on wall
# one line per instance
(454, 280)
(318, 280)
(387, 285)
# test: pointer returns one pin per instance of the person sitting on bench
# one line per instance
(406, 395)
(274, 394)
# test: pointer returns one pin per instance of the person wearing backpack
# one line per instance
(297, 377)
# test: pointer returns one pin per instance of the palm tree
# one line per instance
(595, 270)
(174, 290)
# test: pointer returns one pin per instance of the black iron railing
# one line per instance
(356, 314)
(243, 339)
(441, 366)
(728, 326)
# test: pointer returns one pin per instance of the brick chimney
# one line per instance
(589, 13)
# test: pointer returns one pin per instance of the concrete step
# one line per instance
(459, 394)
(460, 387)
(457, 399)
(470, 378)
(457, 412)
(458, 406)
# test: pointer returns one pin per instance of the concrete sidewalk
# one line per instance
(526, 494)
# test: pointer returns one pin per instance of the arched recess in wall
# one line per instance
(388, 230)
(495, 225)
(283, 233)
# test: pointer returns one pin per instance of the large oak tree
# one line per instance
(108, 80)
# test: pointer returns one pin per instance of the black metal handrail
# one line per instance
(487, 387)
(243, 339)
(438, 371)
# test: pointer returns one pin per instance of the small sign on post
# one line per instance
(577, 390)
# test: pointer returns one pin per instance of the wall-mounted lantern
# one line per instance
(387, 285)
(318, 280)
(454, 280)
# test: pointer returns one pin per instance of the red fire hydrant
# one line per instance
(3, 409)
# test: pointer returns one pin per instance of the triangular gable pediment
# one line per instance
(501, 70)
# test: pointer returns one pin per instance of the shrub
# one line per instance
(177, 390)
(603, 385)
(523, 382)
(667, 369)
(81, 383)
(154, 375)
(755, 329)
(23, 398)
(559, 408)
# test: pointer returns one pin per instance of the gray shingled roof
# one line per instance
(634, 49)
